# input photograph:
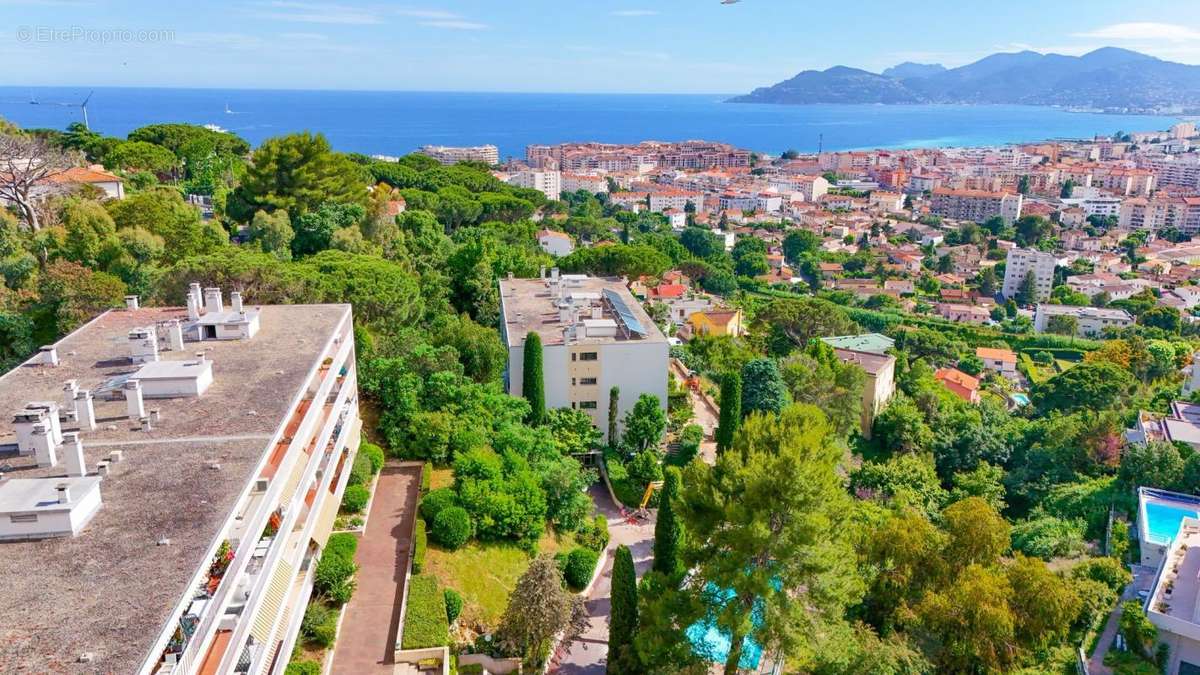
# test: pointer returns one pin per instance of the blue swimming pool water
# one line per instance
(1020, 398)
(1162, 520)
(713, 643)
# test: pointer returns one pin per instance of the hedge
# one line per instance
(435, 501)
(303, 668)
(355, 498)
(343, 544)
(333, 578)
(420, 542)
(581, 562)
(319, 625)
(426, 477)
(452, 527)
(362, 470)
(1064, 353)
(594, 535)
(425, 622)
(374, 454)
(454, 604)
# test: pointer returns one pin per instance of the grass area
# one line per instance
(1128, 663)
(486, 573)
(441, 478)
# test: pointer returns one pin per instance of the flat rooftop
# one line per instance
(528, 305)
(110, 590)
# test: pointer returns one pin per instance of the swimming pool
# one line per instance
(1162, 520)
(1020, 398)
(712, 643)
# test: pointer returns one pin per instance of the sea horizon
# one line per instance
(394, 122)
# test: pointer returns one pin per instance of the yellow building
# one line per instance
(717, 323)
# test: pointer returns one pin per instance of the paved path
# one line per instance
(706, 415)
(367, 638)
(588, 653)
(1143, 579)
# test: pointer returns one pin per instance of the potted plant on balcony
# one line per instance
(1168, 589)
(221, 560)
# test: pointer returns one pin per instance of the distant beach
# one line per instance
(394, 123)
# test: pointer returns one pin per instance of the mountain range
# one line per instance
(1107, 78)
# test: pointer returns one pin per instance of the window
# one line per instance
(588, 356)
(587, 405)
(23, 518)
(587, 381)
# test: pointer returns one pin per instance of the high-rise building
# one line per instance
(488, 154)
(594, 335)
(175, 474)
(548, 183)
(1022, 262)
(976, 205)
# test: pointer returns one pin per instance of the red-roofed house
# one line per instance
(959, 383)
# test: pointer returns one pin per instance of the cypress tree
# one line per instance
(668, 534)
(731, 410)
(614, 398)
(533, 387)
(623, 618)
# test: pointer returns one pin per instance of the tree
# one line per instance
(614, 400)
(668, 535)
(701, 243)
(790, 323)
(765, 526)
(979, 535)
(1031, 230)
(533, 384)
(28, 162)
(819, 377)
(972, 622)
(163, 212)
(798, 242)
(1156, 464)
(1136, 628)
(1062, 324)
(623, 616)
(539, 608)
(315, 230)
(644, 424)
(273, 233)
(140, 155)
(1068, 187)
(762, 387)
(731, 410)
(297, 173)
(907, 550)
(1088, 386)
(1166, 318)
(907, 480)
(1027, 292)
(901, 427)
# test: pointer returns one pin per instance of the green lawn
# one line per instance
(486, 573)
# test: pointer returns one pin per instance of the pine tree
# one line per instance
(624, 614)
(533, 387)
(731, 410)
(614, 398)
(668, 534)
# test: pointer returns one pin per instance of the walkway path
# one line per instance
(706, 414)
(589, 652)
(367, 639)
(1143, 579)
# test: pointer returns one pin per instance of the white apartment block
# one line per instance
(172, 495)
(976, 205)
(574, 182)
(1152, 214)
(548, 183)
(595, 336)
(488, 154)
(1023, 261)
(1091, 320)
(675, 199)
(1102, 206)
(1170, 170)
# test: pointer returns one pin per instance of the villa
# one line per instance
(1169, 529)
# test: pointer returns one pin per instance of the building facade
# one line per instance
(1020, 263)
(976, 205)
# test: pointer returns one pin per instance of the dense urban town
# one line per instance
(666, 407)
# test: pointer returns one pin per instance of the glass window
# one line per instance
(587, 380)
(587, 405)
(588, 356)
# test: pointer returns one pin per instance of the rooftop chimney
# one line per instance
(131, 302)
(85, 411)
(51, 418)
(64, 493)
(143, 345)
(73, 455)
(193, 304)
(69, 390)
(44, 447)
(235, 299)
(134, 407)
(213, 304)
(48, 355)
(23, 423)
(174, 335)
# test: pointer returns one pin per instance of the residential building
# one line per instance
(1003, 361)
(976, 205)
(555, 243)
(548, 183)
(963, 313)
(595, 336)
(959, 383)
(1154, 214)
(869, 351)
(573, 182)
(95, 176)
(1022, 262)
(718, 323)
(488, 154)
(168, 501)
(1091, 321)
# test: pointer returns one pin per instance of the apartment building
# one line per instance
(1173, 171)
(488, 154)
(976, 205)
(870, 352)
(1154, 214)
(594, 335)
(574, 182)
(1091, 321)
(173, 486)
(548, 183)
(1169, 530)
(1023, 261)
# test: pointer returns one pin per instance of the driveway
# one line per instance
(589, 652)
(366, 642)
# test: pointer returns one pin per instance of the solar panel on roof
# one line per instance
(624, 313)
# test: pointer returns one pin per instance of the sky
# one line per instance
(632, 46)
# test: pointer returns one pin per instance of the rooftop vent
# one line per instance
(47, 356)
(131, 302)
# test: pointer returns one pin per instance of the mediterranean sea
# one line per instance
(395, 123)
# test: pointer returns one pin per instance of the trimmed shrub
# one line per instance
(435, 501)
(318, 628)
(355, 499)
(374, 454)
(341, 544)
(303, 668)
(426, 477)
(454, 604)
(361, 471)
(595, 534)
(425, 622)
(581, 562)
(452, 527)
(334, 578)
(420, 543)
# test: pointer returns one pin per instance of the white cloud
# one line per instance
(456, 24)
(434, 14)
(314, 12)
(635, 12)
(1143, 30)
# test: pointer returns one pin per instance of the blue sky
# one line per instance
(545, 46)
